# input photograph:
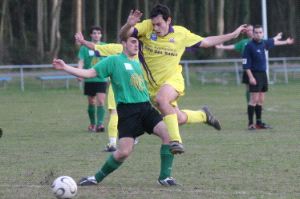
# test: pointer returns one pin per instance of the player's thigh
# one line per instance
(129, 120)
(150, 118)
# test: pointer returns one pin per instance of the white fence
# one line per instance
(284, 65)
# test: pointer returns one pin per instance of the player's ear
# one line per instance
(169, 20)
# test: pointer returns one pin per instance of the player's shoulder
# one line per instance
(249, 43)
(178, 28)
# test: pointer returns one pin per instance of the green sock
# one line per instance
(100, 114)
(247, 96)
(109, 166)
(166, 158)
(91, 113)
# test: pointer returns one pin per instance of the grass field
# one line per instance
(44, 136)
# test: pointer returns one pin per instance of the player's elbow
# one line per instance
(205, 44)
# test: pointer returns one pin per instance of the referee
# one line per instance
(254, 62)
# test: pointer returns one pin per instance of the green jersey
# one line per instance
(90, 58)
(126, 77)
(240, 46)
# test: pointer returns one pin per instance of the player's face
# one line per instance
(160, 26)
(258, 34)
(131, 46)
(96, 35)
(249, 31)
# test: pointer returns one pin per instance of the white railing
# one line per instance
(236, 67)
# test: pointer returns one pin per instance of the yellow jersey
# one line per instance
(162, 54)
(109, 49)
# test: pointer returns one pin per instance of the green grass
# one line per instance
(44, 136)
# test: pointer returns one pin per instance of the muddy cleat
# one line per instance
(210, 119)
(176, 147)
(263, 126)
(110, 148)
(251, 127)
(100, 128)
(92, 128)
(169, 181)
(87, 181)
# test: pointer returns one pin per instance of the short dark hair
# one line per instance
(95, 28)
(257, 26)
(162, 10)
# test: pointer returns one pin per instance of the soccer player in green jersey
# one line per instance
(135, 112)
(162, 46)
(94, 88)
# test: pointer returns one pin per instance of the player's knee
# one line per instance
(123, 154)
(101, 103)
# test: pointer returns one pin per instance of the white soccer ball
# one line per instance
(64, 187)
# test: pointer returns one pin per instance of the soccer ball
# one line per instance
(64, 187)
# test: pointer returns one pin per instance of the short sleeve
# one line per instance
(108, 49)
(141, 29)
(104, 67)
(81, 53)
(191, 39)
(269, 43)
(247, 61)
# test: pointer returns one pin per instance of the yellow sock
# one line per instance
(113, 126)
(171, 122)
(195, 116)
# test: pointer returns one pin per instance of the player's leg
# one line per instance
(251, 109)
(165, 96)
(116, 159)
(153, 123)
(245, 80)
(91, 113)
(112, 127)
(112, 130)
(101, 95)
(247, 93)
(203, 115)
(89, 91)
(258, 109)
(112, 163)
(100, 112)
(262, 82)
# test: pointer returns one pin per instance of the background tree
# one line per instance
(49, 31)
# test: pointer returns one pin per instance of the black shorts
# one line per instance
(245, 78)
(261, 82)
(137, 118)
(91, 88)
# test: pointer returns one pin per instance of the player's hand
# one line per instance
(278, 36)
(290, 41)
(58, 64)
(252, 81)
(79, 38)
(79, 79)
(134, 17)
(219, 46)
(242, 28)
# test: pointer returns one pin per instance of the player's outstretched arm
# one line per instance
(80, 40)
(278, 36)
(225, 47)
(215, 40)
(59, 64)
(133, 18)
(288, 41)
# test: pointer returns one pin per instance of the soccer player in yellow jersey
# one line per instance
(162, 46)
